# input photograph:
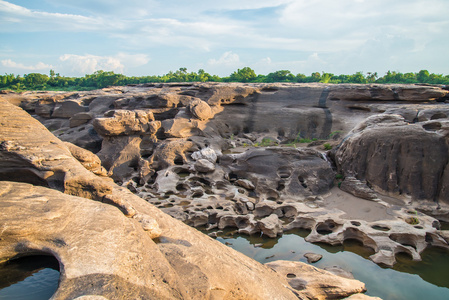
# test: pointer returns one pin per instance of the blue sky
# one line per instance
(152, 37)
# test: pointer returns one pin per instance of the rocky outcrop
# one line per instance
(398, 157)
(175, 265)
(386, 92)
(281, 172)
(240, 155)
(313, 283)
(125, 122)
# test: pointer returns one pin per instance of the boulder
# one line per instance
(339, 271)
(125, 122)
(120, 155)
(357, 188)
(313, 283)
(313, 257)
(67, 109)
(91, 241)
(206, 153)
(200, 109)
(204, 166)
(271, 226)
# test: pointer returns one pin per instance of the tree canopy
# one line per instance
(102, 79)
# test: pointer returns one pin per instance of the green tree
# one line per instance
(423, 76)
(243, 75)
(280, 76)
(315, 77)
(300, 78)
(34, 79)
(358, 77)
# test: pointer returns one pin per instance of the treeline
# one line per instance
(102, 79)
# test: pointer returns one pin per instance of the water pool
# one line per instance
(29, 278)
(428, 279)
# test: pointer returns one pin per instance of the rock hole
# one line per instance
(428, 238)
(436, 225)
(404, 239)
(242, 223)
(380, 228)
(291, 275)
(301, 180)
(438, 116)
(178, 161)
(280, 187)
(434, 126)
(181, 187)
(355, 223)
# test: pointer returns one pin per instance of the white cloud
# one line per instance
(133, 60)
(87, 64)
(15, 18)
(228, 59)
(8, 63)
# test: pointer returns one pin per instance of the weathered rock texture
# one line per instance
(253, 157)
(96, 243)
(398, 157)
(314, 283)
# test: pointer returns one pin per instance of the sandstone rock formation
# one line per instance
(313, 283)
(253, 157)
(78, 231)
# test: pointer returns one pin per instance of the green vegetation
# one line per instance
(327, 146)
(266, 142)
(412, 221)
(102, 79)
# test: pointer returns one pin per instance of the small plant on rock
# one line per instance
(327, 146)
(412, 221)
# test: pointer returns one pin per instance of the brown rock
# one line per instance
(67, 109)
(312, 257)
(271, 226)
(314, 283)
(357, 188)
(396, 157)
(177, 267)
(80, 119)
(125, 122)
(204, 166)
(200, 109)
(89, 160)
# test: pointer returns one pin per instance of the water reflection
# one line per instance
(31, 278)
(407, 280)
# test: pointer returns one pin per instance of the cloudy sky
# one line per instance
(152, 37)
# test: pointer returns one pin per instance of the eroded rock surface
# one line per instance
(255, 157)
(314, 283)
(181, 263)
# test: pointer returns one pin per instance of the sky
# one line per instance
(153, 37)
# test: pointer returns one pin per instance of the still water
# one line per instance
(29, 278)
(428, 279)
